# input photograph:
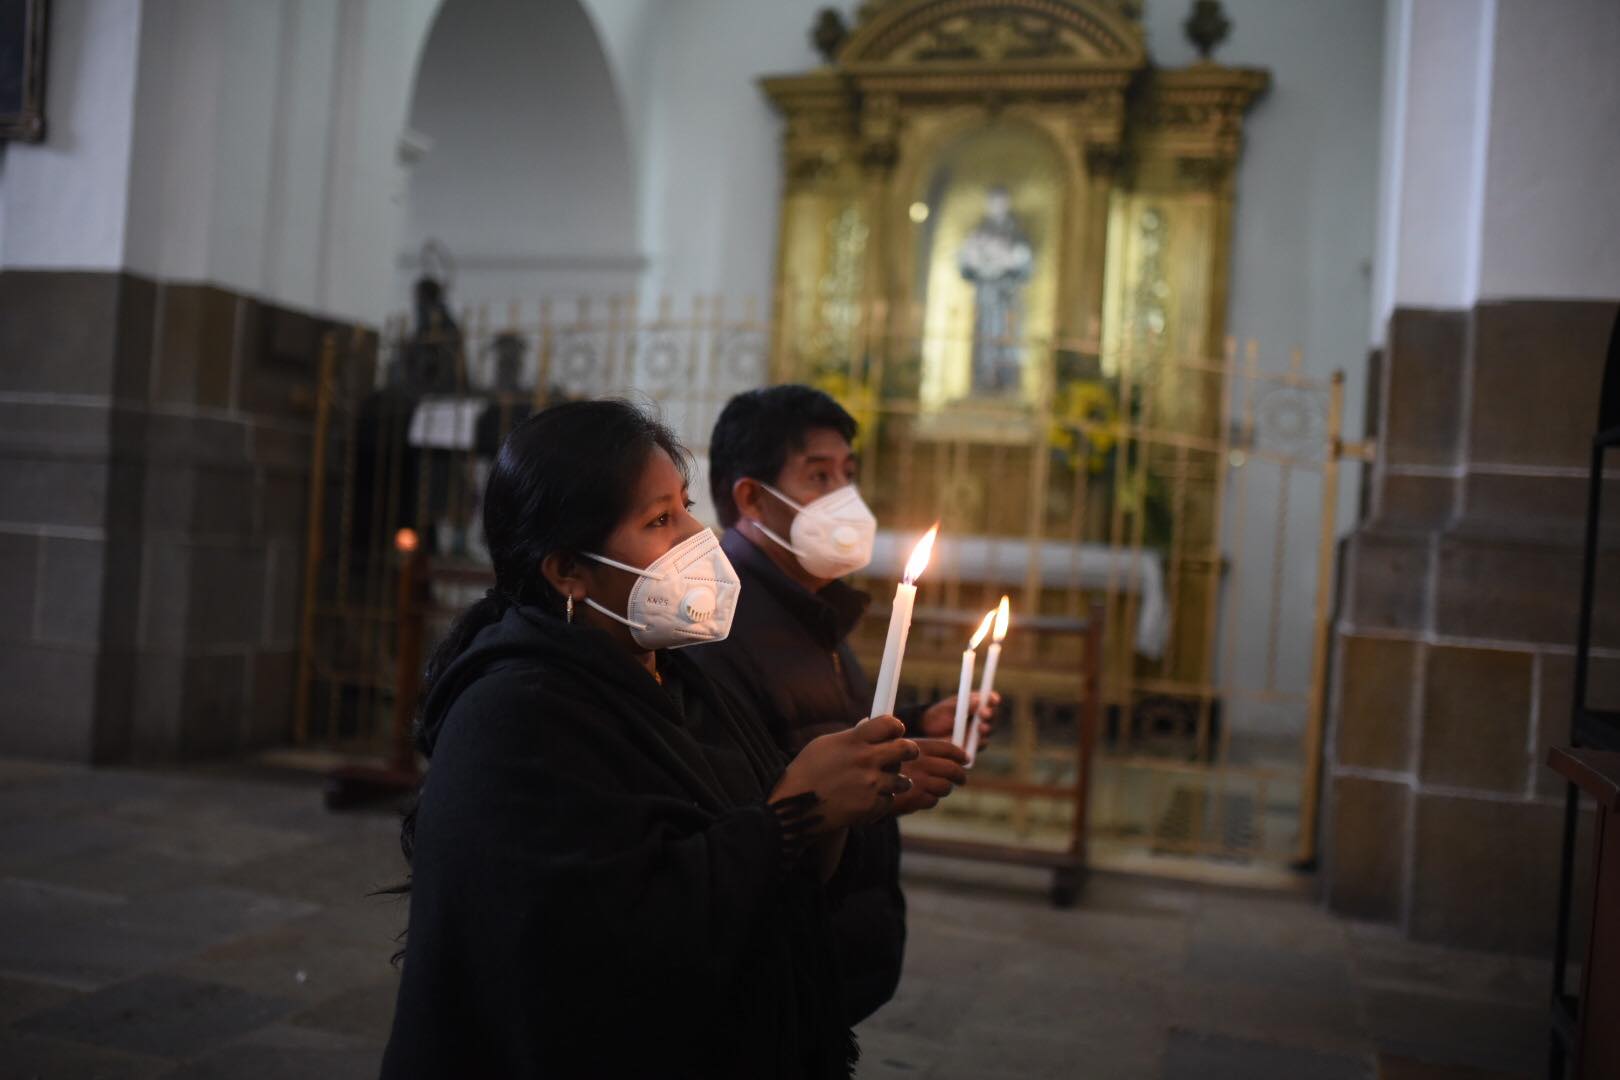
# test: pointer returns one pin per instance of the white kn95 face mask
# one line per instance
(831, 536)
(686, 596)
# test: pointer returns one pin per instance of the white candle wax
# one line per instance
(985, 685)
(894, 647)
(959, 729)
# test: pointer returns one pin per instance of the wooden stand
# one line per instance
(356, 785)
(1596, 1041)
(1068, 866)
(1591, 764)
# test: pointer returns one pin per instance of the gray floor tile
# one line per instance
(1273, 966)
(158, 1015)
(920, 1007)
(328, 872)
(1329, 1019)
(23, 770)
(76, 938)
(25, 845)
(1381, 958)
(215, 839)
(186, 907)
(36, 1057)
(364, 1012)
(889, 1056)
(1199, 1056)
(124, 871)
(1000, 1055)
(19, 997)
(208, 913)
(300, 960)
(280, 1052)
(1450, 1031)
(83, 940)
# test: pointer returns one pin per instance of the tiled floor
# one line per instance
(218, 925)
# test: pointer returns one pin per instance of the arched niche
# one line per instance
(981, 173)
(520, 156)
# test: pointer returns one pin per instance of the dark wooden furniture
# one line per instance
(1594, 1039)
(359, 783)
(1594, 755)
(1032, 667)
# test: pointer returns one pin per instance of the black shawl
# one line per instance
(598, 886)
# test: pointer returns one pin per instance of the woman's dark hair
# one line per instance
(562, 481)
(758, 429)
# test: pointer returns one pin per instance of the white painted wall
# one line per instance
(1436, 126)
(1501, 155)
(623, 29)
(1551, 222)
(1302, 267)
(248, 143)
(379, 43)
(529, 182)
(63, 202)
(712, 176)
(291, 256)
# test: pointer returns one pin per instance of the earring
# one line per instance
(570, 610)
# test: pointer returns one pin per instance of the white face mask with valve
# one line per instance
(831, 536)
(686, 596)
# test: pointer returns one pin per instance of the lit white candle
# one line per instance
(991, 659)
(894, 647)
(959, 730)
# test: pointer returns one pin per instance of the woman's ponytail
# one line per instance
(487, 611)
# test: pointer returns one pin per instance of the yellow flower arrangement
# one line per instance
(1083, 419)
(858, 398)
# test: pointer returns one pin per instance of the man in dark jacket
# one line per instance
(781, 472)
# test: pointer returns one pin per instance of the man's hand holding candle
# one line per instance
(941, 769)
(937, 720)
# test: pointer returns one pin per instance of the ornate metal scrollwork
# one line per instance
(1291, 422)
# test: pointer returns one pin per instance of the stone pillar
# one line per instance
(154, 457)
(1458, 617)
(1497, 285)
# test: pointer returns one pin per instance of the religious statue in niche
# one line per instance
(996, 258)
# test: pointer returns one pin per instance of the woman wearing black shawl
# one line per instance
(614, 872)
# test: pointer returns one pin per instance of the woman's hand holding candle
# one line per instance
(855, 773)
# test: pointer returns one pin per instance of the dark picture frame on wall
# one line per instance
(22, 70)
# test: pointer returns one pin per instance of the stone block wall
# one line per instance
(1454, 650)
(155, 445)
(1458, 611)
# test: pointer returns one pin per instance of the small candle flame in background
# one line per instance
(919, 555)
(1002, 613)
(405, 540)
(984, 628)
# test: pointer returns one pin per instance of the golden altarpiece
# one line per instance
(1004, 244)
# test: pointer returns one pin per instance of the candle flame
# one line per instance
(984, 628)
(405, 540)
(1003, 613)
(919, 555)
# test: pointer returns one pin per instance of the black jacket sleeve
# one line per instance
(869, 918)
